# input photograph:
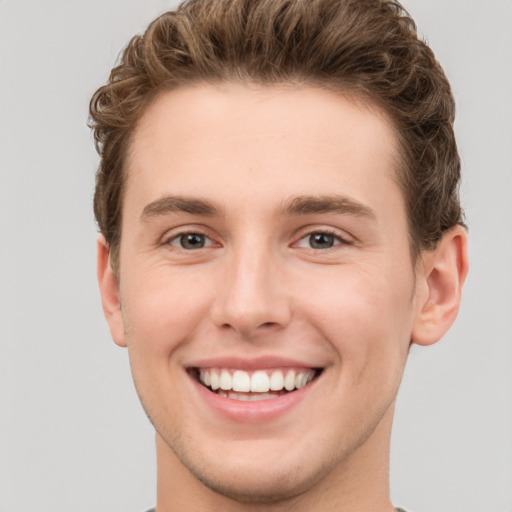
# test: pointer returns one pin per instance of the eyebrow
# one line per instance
(309, 205)
(173, 204)
(300, 205)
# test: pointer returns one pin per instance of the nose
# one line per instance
(251, 299)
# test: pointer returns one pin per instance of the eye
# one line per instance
(320, 240)
(190, 241)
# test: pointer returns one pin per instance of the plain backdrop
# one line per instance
(73, 436)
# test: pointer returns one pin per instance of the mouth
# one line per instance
(254, 385)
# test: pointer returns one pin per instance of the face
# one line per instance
(265, 248)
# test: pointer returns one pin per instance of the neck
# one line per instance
(357, 484)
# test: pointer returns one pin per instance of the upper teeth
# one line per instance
(259, 381)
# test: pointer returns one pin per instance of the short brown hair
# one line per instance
(366, 47)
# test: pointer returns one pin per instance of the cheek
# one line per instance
(161, 316)
(162, 310)
(366, 317)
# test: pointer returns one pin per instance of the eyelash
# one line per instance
(208, 242)
(181, 236)
(338, 239)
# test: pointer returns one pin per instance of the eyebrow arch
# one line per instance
(172, 204)
(308, 205)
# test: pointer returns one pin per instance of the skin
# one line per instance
(259, 288)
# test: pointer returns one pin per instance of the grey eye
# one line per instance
(321, 240)
(190, 241)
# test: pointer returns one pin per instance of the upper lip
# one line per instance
(255, 363)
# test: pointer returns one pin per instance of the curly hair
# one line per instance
(364, 47)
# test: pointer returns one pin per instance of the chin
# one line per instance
(258, 472)
(259, 483)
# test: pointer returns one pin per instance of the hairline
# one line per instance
(357, 96)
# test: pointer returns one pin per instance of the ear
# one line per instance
(109, 291)
(441, 275)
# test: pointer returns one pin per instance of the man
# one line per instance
(277, 199)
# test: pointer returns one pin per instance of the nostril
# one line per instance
(250, 330)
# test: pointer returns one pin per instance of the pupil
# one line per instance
(192, 241)
(321, 240)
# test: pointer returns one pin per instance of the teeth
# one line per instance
(260, 381)
(241, 381)
(247, 397)
(214, 378)
(225, 381)
(289, 381)
(276, 381)
(302, 379)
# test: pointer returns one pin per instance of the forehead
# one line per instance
(221, 140)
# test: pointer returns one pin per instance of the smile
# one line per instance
(255, 385)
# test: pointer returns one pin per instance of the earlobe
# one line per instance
(109, 291)
(443, 275)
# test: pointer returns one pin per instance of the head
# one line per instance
(367, 50)
(277, 198)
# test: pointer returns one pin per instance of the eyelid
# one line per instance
(342, 237)
(177, 232)
(208, 241)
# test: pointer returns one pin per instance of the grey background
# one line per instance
(73, 436)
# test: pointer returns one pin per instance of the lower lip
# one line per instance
(252, 411)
